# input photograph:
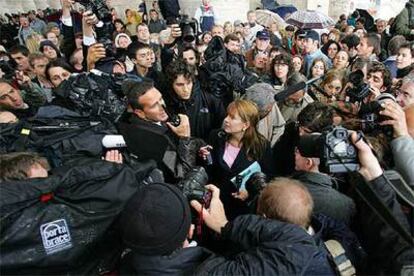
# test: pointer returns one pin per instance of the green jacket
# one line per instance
(403, 24)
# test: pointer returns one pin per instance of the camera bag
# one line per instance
(66, 223)
(58, 134)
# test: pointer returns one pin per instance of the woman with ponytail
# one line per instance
(235, 148)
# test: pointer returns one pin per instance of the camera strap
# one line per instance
(366, 193)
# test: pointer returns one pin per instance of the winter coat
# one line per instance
(403, 153)
(269, 247)
(272, 126)
(221, 174)
(148, 140)
(204, 111)
(404, 22)
(156, 26)
(393, 252)
(326, 199)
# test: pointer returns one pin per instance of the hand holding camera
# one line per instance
(369, 165)
(96, 52)
(395, 118)
(90, 18)
(214, 217)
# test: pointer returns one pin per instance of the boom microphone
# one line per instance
(281, 96)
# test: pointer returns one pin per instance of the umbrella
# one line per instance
(284, 10)
(310, 20)
(266, 18)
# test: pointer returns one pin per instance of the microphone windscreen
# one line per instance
(113, 141)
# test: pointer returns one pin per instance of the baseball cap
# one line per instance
(312, 34)
(262, 35)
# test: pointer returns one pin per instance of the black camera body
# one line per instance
(104, 33)
(8, 68)
(334, 148)
(193, 188)
(189, 29)
(98, 7)
(359, 89)
(173, 118)
(371, 117)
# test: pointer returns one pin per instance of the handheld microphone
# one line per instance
(113, 141)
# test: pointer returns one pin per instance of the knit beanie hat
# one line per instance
(156, 220)
(49, 43)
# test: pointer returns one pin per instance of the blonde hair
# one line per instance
(287, 200)
(253, 142)
(33, 43)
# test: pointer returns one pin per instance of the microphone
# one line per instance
(281, 96)
(113, 141)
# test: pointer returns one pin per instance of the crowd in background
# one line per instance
(228, 98)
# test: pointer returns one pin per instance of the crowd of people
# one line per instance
(295, 137)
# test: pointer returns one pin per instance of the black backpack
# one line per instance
(66, 223)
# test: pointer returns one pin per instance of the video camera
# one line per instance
(189, 29)
(188, 26)
(193, 188)
(334, 148)
(359, 89)
(7, 69)
(371, 117)
(104, 33)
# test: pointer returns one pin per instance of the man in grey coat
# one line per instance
(327, 199)
(272, 123)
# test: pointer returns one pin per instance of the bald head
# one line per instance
(286, 200)
(409, 117)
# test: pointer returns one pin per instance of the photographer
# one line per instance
(322, 187)
(402, 144)
(149, 134)
(269, 247)
(385, 247)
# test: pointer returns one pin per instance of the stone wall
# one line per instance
(229, 9)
